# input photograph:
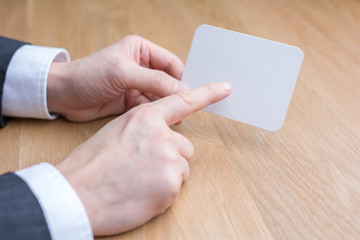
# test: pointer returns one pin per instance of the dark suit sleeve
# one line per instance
(21, 216)
(7, 49)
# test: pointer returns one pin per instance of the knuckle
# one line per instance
(142, 113)
(167, 188)
(191, 149)
(186, 97)
(132, 37)
(158, 82)
(170, 64)
(172, 184)
(186, 172)
(170, 156)
(186, 147)
(211, 89)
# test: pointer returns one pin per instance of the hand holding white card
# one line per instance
(262, 73)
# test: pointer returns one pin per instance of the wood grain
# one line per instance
(302, 182)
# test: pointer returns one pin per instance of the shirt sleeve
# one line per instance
(25, 96)
(24, 92)
(63, 210)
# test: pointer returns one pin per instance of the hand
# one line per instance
(113, 80)
(133, 168)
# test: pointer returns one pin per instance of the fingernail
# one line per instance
(226, 86)
(180, 86)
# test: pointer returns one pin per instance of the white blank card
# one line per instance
(262, 73)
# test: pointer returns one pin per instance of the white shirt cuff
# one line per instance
(24, 93)
(63, 210)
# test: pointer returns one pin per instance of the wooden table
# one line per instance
(302, 181)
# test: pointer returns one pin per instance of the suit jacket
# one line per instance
(21, 216)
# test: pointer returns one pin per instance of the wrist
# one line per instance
(76, 174)
(58, 77)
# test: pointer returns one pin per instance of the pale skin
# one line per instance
(132, 169)
(113, 80)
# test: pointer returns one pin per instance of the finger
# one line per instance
(141, 99)
(134, 98)
(186, 169)
(178, 106)
(111, 108)
(178, 123)
(152, 81)
(186, 148)
(116, 106)
(162, 59)
(151, 97)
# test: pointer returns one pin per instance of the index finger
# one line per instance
(161, 59)
(179, 105)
